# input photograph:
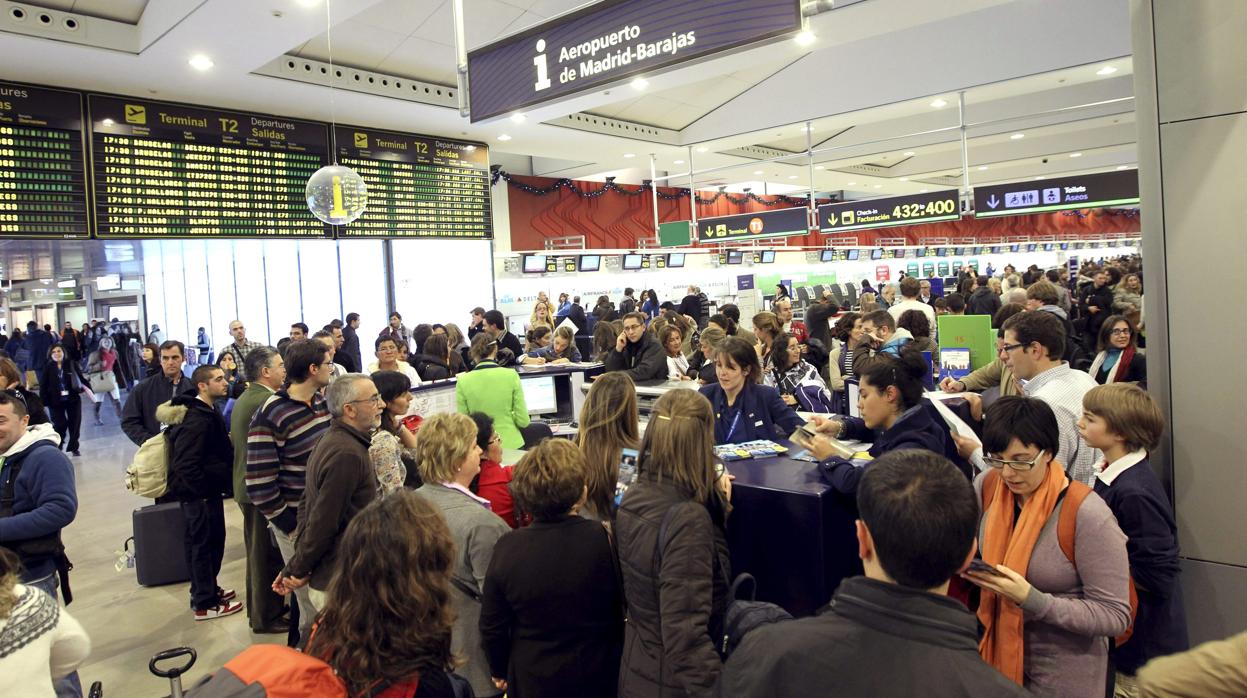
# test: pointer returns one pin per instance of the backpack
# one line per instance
(744, 615)
(272, 671)
(148, 474)
(1067, 531)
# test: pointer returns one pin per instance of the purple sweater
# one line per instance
(1072, 613)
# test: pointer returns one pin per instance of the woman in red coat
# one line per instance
(494, 481)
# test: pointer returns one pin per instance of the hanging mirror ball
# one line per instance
(337, 195)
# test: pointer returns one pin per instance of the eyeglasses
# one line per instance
(1019, 465)
(495, 439)
(375, 399)
(1120, 330)
(1006, 348)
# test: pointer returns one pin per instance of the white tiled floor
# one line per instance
(129, 623)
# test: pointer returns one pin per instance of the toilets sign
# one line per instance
(613, 40)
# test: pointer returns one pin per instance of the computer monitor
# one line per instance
(631, 262)
(534, 263)
(941, 252)
(1015, 248)
(852, 256)
(735, 256)
(1047, 247)
(590, 262)
(539, 394)
(768, 257)
(876, 253)
(826, 255)
(1032, 247)
(675, 260)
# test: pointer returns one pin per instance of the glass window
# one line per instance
(318, 275)
(281, 278)
(198, 299)
(252, 297)
(363, 289)
(175, 290)
(153, 285)
(442, 280)
(222, 296)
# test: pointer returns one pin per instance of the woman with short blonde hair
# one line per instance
(444, 443)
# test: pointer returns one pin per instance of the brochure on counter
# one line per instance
(749, 449)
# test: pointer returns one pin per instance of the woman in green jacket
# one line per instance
(496, 391)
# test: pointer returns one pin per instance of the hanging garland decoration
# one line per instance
(610, 186)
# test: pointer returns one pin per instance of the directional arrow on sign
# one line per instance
(832, 218)
(993, 202)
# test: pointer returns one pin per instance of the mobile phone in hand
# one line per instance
(977, 565)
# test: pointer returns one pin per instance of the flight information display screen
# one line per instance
(418, 186)
(171, 170)
(43, 191)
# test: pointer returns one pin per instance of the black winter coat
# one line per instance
(431, 368)
(138, 417)
(50, 384)
(983, 302)
(642, 361)
(201, 455)
(676, 603)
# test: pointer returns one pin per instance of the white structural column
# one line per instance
(1190, 60)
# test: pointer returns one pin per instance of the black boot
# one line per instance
(98, 422)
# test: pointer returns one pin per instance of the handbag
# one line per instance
(103, 382)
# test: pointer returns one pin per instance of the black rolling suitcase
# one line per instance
(160, 545)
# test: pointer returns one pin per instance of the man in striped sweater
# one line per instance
(279, 442)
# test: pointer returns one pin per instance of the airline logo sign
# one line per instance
(613, 40)
(785, 222)
(1057, 194)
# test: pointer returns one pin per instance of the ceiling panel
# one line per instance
(402, 17)
(423, 59)
(355, 44)
(128, 11)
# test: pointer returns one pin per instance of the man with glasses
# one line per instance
(1031, 348)
(241, 346)
(389, 359)
(636, 352)
(138, 417)
(340, 482)
(280, 441)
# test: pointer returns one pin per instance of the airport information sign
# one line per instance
(1057, 194)
(172, 170)
(911, 209)
(612, 40)
(418, 186)
(43, 192)
(784, 222)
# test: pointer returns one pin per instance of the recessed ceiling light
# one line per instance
(1106, 70)
(108, 122)
(792, 176)
(878, 186)
(982, 167)
(201, 62)
(1123, 167)
(910, 153)
(757, 172)
(504, 137)
(1017, 136)
(1041, 177)
(819, 167)
(639, 83)
(939, 104)
(518, 118)
(904, 179)
(309, 3)
(703, 149)
(678, 162)
(922, 191)
(1075, 155)
(804, 38)
(629, 155)
(851, 184)
(469, 148)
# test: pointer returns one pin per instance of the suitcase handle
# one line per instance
(172, 672)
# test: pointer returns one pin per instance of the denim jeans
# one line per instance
(69, 686)
(302, 595)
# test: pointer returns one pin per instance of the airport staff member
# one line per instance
(636, 352)
(745, 410)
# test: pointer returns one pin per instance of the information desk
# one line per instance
(567, 380)
(791, 531)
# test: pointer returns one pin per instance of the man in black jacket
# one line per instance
(138, 417)
(636, 352)
(350, 341)
(627, 304)
(1095, 304)
(201, 469)
(983, 301)
(496, 326)
(894, 631)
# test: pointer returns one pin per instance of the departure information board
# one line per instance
(43, 192)
(171, 170)
(418, 186)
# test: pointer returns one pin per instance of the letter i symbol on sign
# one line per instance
(543, 71)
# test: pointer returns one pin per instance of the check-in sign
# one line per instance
(911, 209)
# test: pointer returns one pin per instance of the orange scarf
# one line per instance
(1009, 543)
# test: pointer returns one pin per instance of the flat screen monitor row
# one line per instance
(537, 264)
(854, 254)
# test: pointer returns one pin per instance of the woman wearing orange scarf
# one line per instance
(1047, 619)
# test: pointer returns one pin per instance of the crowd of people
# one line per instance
(1039, 554)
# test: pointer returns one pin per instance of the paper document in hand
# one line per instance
(568, 323)
(954, 422)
